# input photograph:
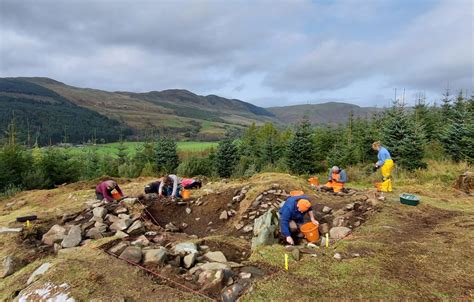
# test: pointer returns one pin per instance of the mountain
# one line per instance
(48, 104)
(331, 113)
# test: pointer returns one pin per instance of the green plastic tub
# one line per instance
(409, 199)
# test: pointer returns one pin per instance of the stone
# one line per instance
(204, 248)
(232, 293)
(155, 256)
(324, 228)
(326, 210)
(339, 232)
(188, 210)
(185, 247)
(265, 237)
(141, 241)
(296, 254)
(210, 266)
(55, 234)
(132, 254)
(121, 225)
(349, 206)
(94, 233)
(101, 226)
(151, 233)
(255, 271)
(129, 201)
(170, 227)
(236, 198)
(197, 218)
(223, 215)
(38, 272)
(4, 230)
(121, 234)
(123, 216)
(99, 212)
(121, 210)
(212, 281)
(217, 256)
(87, 225)
(337, 256)
(357, 223)
(238, 225)
(189, 260)
(73, 237)
(68, 217)
(248, 228)
(118, 248)
(10, 265)
(136, 228)
(57, 247)
(245, 275)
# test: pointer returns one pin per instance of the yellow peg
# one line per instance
(286, 261)
(28, 224)
(327, 239)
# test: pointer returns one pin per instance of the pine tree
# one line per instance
(403, 138)
(301, 155)
(122, 153)
(226, 157)
(167, 159)
(458, 139)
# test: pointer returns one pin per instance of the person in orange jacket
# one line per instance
(337, 178)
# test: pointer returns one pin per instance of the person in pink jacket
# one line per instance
(105, 188)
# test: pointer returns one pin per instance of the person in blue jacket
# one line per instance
(292, 216)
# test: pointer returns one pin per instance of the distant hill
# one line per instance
(51, 111)
(331, 113)
(180, 113)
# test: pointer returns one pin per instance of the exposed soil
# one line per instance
(202, 221)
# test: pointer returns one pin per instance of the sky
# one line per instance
(269, 53)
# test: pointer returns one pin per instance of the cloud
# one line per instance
(267, 51)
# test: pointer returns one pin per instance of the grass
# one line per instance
(131, 148)
(406, 253)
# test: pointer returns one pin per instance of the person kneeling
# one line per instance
(337, 178)
(170, 186)
(292, 217)
(104, 190)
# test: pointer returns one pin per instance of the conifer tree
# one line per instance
(403, 138)
(167, 159)
(226, 157)
(458, 139)
(301, 153)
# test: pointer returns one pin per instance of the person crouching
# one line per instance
(292, 217)
(105, 188)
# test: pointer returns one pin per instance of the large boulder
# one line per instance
(215, 257)
(73, 237)
(155, 256)
(132, 254)
(55, 234)
(264, 230)
(339, 232)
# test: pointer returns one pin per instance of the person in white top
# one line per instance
(170, 186)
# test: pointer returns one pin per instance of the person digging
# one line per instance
(292, 217)
(337, 178)
(105, 188)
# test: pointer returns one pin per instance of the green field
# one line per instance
(131, 147)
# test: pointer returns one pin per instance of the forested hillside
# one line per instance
(42, 116)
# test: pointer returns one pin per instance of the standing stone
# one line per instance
(296, 254)
(155, 256)
(132, 254)
(215, 257)
(55, 234)
(38, 272)
(339, 232)
(73, 237)
(100, 212)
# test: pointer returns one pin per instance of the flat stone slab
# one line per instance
(4, 230)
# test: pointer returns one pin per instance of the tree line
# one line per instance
(412, 135)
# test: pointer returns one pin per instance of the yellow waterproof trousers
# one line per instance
(386, 170)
